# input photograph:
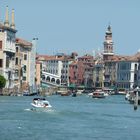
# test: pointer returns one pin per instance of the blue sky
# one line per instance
(76, 25)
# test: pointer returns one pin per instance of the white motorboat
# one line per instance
(40, 103)
(121, 92)
(98, 94)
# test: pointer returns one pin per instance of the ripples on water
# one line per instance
(71, 118)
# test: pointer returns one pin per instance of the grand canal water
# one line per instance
(71, 118)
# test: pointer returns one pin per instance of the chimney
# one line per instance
(6, 23)
(13, 19)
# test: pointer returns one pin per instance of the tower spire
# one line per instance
(109, 31)
(6, 23)
(13, 19)
(108, 44)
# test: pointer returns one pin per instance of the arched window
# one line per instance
(48, 79)
(135, 77)
(135, 66)
(53, 80)
(43, 77)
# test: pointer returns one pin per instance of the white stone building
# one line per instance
(55, 69)
(7, 49)
(128, 71)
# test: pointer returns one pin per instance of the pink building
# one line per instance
(73, 72)
(81, 70)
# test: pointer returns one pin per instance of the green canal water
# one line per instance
(71, 118)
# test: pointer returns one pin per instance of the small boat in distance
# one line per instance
(98, 94)
(121, 92)
(40, 103)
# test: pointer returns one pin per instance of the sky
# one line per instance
(65, 26)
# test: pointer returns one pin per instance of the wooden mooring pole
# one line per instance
(136, 100)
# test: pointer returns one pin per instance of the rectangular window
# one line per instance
(16, 73)
(16, 61)
(25, 56)
(0, 45)
(24, 68)
(16, 49)
(7, 62)
(1, 63)
(24, 78)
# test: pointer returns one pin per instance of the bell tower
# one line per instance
(108, 44)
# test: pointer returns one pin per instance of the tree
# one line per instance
(2, 82)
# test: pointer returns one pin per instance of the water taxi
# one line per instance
(40, 103)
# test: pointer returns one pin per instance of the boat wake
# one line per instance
(27, 109)
(50, 110)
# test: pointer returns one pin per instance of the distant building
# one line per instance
(98, 75)
(51, 70)
(110, 72)
(128, 71)
(73, 72)
(22, 63)
(7, 49)
(55, 69)
(81, 71)
(122, 71)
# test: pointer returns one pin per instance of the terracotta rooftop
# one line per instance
(117, 58)
(86, 57)
(53, 57)
(23, 42)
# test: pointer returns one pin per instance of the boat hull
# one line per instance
(98, 96)
(40, 108)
